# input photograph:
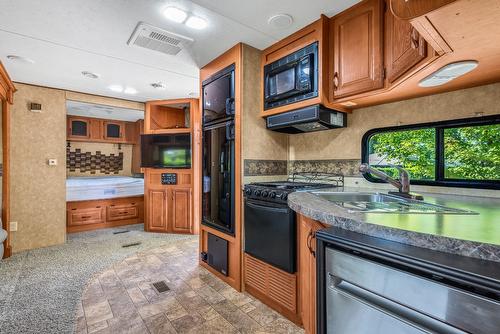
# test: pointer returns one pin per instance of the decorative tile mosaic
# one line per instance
(265, 167)
(87, 162)
(346, 167)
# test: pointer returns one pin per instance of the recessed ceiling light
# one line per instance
(175, 14)
(280, 21)
(159, 85)
(130, 90)
(448, 72)
(90, 75)
(20, 59)
(196, 22)
(116, 88)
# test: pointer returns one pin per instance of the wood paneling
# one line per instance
(157, 210)
(406, 10)
(136, 149)
(232, 56)
(404, 47)
(274, 287)
(307, 271)
(7, 90)
(103, 213)
(357, 37)
(166, 116)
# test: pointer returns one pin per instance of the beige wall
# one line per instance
(346, 143)
(107, 149)
(258, 142)
(38, 191)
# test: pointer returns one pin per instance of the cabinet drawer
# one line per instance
(120, 212)
(85, 216)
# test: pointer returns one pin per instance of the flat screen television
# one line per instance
(166, 151)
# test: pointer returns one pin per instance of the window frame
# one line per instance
(439, 127)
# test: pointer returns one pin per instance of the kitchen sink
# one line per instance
(383, 203)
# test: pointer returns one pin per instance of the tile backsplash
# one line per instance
(93, 163)
(346, 167)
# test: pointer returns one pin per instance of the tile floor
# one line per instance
(122, 299)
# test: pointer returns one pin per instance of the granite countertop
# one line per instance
(469, 235)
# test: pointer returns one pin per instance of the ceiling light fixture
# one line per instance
(196, 22)
(280, 21)
(90, 75)
(130, 90)
(175, 14)
(159, 85)
(20, 59)
(116, 88)
(448, 72)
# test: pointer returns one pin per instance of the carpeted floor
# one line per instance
(40, 289)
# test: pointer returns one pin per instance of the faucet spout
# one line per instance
(403, 183)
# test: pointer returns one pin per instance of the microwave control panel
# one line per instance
(168, 178)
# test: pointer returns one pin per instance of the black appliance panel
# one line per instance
(217, 253)
(218, 177)
(292, 78)
(218, 96)
(168, 178)
(270, 234)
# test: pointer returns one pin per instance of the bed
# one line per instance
(105, 187)
(100, 202)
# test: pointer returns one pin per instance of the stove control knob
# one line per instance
(264, 193)
(284, 196)
(272, 194)
(257, 192)
(248, 191)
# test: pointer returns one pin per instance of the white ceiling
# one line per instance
(67, 37)
(76, 108)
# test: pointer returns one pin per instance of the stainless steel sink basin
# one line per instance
(384, 203)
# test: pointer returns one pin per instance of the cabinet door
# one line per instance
(307, 271)
(78, 128)
(114, 131)
(157, 210)
(358, 49)
(404, 48)
(181, 217)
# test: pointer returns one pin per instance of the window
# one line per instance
(460, 153)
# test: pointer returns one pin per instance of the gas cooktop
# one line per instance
(292, 185)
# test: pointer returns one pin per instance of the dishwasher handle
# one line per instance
(400, 312)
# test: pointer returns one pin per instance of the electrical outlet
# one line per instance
(13, 226)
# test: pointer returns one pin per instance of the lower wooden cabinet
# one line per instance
(95, 214)
(169, 210)
(307, 271)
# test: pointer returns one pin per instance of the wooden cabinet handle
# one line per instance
(310, 237)
(414, 38)
(335, 81)
(86, 217)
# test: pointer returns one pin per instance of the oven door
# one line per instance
(218, 176)
(270, 233)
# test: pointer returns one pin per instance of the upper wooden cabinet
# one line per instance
(404, 47)
(114, 131)
(357, 42)
(100, 130)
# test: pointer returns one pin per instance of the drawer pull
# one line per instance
(311, 236)
(86, 217)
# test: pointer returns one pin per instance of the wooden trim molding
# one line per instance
(7, 91)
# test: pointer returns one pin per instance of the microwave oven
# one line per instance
(292, 78)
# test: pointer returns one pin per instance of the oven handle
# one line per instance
(254, 205)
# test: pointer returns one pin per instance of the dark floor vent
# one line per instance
(120, 232)
(161, 286)
(131, 244)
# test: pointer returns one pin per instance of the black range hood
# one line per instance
(308, 119)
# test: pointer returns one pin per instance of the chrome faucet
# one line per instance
(402, 183)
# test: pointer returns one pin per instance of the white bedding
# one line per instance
(102, 187)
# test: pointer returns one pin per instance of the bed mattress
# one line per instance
(102, 187)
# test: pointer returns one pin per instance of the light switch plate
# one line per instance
(13, 226)
(52, 162)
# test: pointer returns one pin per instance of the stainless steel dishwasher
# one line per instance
(371, 295)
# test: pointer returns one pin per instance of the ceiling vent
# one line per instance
(156, 39)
